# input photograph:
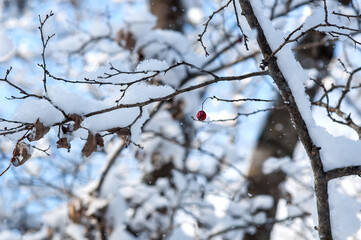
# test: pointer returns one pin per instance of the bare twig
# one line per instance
(44, 44)
(239, 25)
(200, 36)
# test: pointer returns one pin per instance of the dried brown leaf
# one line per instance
(22, 153)
(77, 120)
(40, 131)
(63, 143)
(99, 140)
(75, 211)
(65, 129)
(90, 145)
(125, 39)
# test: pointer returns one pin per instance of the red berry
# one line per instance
(240, 40)
(201, 115)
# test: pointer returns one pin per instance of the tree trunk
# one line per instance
(279, 138)
(169, 14)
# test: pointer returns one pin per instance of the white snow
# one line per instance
(262, 202)
(76, 231)
(7, 47)
(273, 164)
(152, 64)
(178, 234)
(343, 209)
(95, 205)
(142, 92)
(136, 128)
(116, 118)
(31, 109)
(74, 102)
(56, 218)
(10, 235)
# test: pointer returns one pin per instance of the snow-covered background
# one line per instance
(122, 155)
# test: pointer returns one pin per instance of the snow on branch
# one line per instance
(123, 114)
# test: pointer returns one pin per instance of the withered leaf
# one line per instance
(40, 131)
(75, 211)
(77, 120)
(22, 153)
(99, 140)
(63, 143)
(125, 39)
(90, 145)
(65, 129)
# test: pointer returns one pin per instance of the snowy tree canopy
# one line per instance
(180, 119)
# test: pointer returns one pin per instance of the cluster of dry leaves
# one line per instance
(94, 142)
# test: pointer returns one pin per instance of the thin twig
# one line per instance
(200, 36)
(44, 43)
